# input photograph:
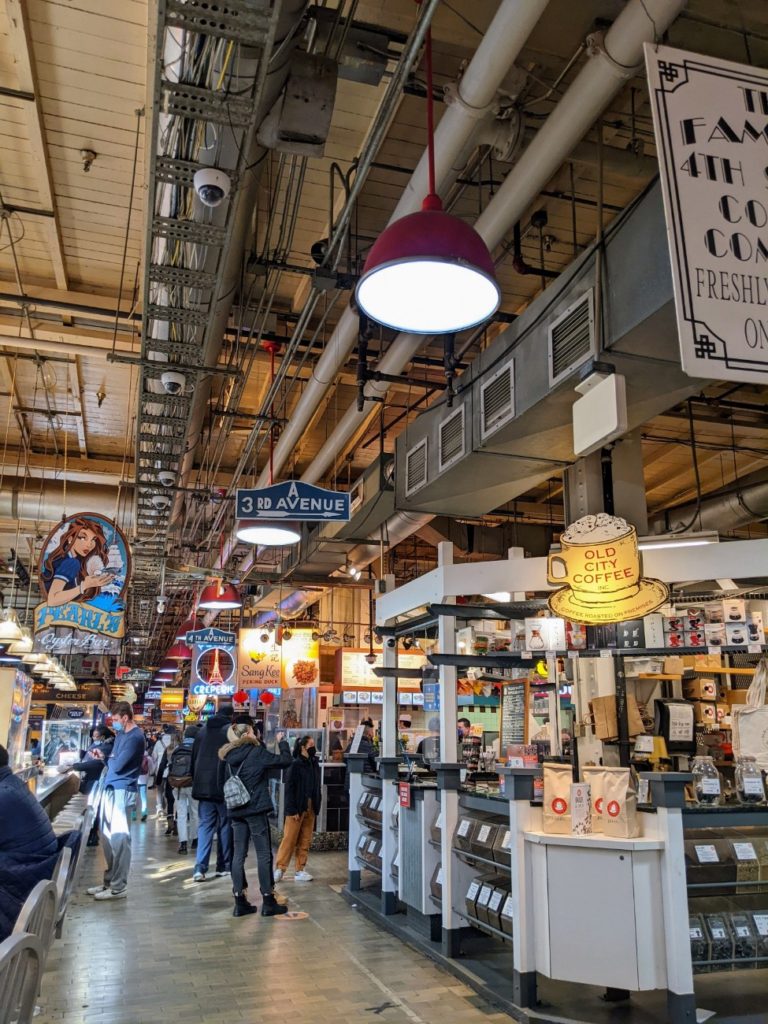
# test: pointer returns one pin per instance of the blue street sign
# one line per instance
(211, 637)
(295, 500)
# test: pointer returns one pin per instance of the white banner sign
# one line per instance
(711, 122)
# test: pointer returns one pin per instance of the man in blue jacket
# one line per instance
(28, 846)
(120, 789)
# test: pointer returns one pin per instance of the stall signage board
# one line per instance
(91, 693)
(294, 500)
(214, 663)
(404, 794)
(172, 699)
(711, 127)
(513, 714)
(292, 664)
(431, 696)
(353, 670)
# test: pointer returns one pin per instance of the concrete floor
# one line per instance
(171, 952)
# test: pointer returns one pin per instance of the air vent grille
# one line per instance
(452, 439)
(571, 338)
(416, 467)
(497, 399)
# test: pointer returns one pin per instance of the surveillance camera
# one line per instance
(391, 642)
(162, 604)
(161, 501)
(166, 477)
(212, 185)
(371, 659)
(173, 382)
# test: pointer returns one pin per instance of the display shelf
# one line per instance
(736, 885)
(466, 856)
(473, 802)
(481, 925)
(719, 817)
(513, 659)
(367, 864)
(369, 823)
(735, 963)
(595, 841)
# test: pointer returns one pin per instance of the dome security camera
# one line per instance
(212, 185)
(161, 501)
(173, 382)
(391, 642)
(162, 604)
(166, 477)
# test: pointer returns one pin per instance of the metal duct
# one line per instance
(48, 500)
(290, 607)
(744, 503)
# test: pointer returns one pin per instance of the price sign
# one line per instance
(744, 851)
(464, 827)
(404, 793)
(707, 855)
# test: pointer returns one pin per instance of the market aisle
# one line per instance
(173, 952)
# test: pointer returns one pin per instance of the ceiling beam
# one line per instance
(8, 379)
(21, 44)
(76, 388)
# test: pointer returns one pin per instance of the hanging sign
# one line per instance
(600, 571)
(214, 663)
(301, 659)
(84, 570)
(711, 123)
(295, 500)
(259, 661)
(172, 699)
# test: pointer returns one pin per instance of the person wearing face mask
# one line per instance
(303, 796)
(118, 801)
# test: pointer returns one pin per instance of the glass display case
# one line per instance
(63, 739)
(21, 698)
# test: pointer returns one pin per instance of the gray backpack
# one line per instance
(235, 790)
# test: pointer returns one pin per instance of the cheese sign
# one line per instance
(294, 500)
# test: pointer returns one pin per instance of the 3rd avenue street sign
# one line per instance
(295, 500)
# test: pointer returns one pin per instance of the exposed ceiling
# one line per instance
(81, 92)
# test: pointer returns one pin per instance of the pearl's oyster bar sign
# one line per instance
(711, 122)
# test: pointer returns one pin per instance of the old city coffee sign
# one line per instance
(84, 571)
(711, 122)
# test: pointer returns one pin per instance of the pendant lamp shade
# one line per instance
(429, 273)
(10, 630)
(219, 597)
(23, 645)
(179, 652)
(168, 668)
(186, 627)
(270, 533)
(33, 659)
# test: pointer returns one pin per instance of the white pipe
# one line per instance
(589, 94)
(44, 501)
(506, 36)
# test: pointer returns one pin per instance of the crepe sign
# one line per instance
(214, 663)
(711, 124)
(84, 571)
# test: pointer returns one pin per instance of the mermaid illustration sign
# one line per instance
(84, 570)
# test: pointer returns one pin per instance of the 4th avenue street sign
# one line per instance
(295, 500)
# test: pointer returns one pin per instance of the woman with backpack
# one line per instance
(169, 797)
(180, 783)
(303, 795)
(246, 793)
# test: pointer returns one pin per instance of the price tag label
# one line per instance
(464, 828)
(754, 648)
(761, 923)
(439, 822)
(707, 855)
(507, 908)
(474, 889)
(754, 787)
(495, 902)
(695, 933)
(644, 745)
(371, 846)
(714, 650)
(526, 655)
(718, 933)
(606, 653)
(485, 895)
(744, 851)
(710, 787)
(483, 834)
(361, 842)
(742, 932)
(573, 654)
(505, 843)
(439, 879)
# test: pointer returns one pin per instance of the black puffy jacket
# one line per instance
(207, 767)
(254, 762)
(302, 784)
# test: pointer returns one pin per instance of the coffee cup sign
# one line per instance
(599, 568)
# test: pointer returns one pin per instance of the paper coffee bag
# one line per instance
(594, 775)
(557, 798)
(581, 809)
(620, 818)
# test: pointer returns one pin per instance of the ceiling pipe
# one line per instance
(474, 102)
(97, 349)
(744, 503)
(585, 99)
(49, 500)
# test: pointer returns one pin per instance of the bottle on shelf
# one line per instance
(707, 784)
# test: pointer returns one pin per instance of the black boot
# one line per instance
(182, 848)
(242, 906)
(271, 908)
(169, 828)
(194, 844)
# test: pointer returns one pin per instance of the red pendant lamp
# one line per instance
(429, 272)
(220, 596)
(179, 652)
(186, 627)
(167, 668)
(269, 532)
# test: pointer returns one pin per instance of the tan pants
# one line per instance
(297, 838)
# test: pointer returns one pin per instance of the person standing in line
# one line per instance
(303, 796)
(143, 782)
(117, 802)
(160, 747)
(180, 781)
(248, 759)
(208, 790)
(169, 793)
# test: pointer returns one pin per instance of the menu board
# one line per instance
(514, 717)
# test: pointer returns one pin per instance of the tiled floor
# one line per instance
(172, 952)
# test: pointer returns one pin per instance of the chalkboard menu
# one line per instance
(513, 713)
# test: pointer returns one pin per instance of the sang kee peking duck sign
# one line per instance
(84, 570)
(711, 122)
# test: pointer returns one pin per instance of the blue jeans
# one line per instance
(213, 818)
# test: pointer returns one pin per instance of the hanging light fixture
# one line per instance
(429, 272)
(22, 646)
(269, 533)
(167, 668)
(220, 596)
(186, 627)
(179, 652)
(10, 630)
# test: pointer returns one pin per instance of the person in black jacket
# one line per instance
(247, 758)
(208, 789)
(303, 796)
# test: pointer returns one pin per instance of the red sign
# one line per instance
(404, 793)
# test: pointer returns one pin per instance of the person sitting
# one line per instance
(29, 848)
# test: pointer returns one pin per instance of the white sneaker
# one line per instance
(95, 890)
(107, 894)
(220, 874)
(198, 877)
(278, 874)
(302, 876)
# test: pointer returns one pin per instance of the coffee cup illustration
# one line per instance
(598, 566)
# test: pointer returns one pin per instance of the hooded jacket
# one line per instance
(254, 762)
(302, 784)
(207, 767)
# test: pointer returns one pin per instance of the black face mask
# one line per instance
(311, 752)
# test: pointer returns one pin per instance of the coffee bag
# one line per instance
(557, 798)
(620, 818)
(594, 775)
(581, 809)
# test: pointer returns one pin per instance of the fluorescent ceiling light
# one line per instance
(271, 533)
(501, 595)
(672, 540)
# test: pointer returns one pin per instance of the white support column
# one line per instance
(518, 785)
(388, 772)
(355, 828)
